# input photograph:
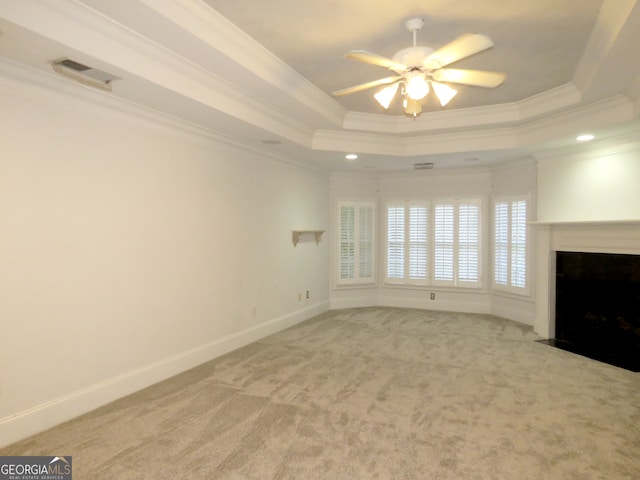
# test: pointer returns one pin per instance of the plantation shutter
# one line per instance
(347, 242)
(518, 243)
(443, 243)
(501, 243)
(395, 242)
(357, 243)
(510, 245)
(418, 242)
(365, 239)
(468, 243)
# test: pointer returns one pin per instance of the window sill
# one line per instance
(523, 297)
(355, 286)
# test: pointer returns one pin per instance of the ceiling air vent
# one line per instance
(84, 74)
(422, 166)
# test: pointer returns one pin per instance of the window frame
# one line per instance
(357, 279)
(507, 247)
(407, 249)
(431, 247)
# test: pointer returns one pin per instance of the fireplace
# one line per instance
(597, 311)
(597, 315)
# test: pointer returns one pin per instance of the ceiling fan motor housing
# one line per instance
(412, 56)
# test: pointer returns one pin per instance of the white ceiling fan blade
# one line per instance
(476, 78)
(462, 47)
(373, 59)
(365, 86)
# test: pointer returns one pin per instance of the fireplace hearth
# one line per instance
(597, 310)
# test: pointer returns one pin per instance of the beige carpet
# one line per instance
(375, 393)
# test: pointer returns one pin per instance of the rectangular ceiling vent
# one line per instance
(422, 166)
(84, 74)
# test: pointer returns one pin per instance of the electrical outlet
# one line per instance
(433, 296)
(307, 293)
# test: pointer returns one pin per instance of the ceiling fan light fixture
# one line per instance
(412, 107)
(384, 96)
(417, 86)
(444, 92)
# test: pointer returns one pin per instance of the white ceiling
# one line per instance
(256, 72)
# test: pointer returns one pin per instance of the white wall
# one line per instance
(130, 251)
(594, 183)
(588, 200)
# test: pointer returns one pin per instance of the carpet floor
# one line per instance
(370, 393)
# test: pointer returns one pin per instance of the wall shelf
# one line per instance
(295, 235)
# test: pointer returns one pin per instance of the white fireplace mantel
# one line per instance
(620, 236)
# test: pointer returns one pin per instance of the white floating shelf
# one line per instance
(295, 235)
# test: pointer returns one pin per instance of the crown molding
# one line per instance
(614, 110)
(83, 29)
(206, 24)
(545, 103)
(627, 142)
(611, 111)
(431, 121)
(53, 88)
(515, 164)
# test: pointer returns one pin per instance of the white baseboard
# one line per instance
(29, 422)
(515, 314)
(355, 302)
(440, 305)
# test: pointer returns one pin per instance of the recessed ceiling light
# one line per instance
(584, 137)
(351, 156)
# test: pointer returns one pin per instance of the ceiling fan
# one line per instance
(420, 68)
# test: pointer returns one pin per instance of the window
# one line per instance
(407, 247)
(510, 245)
(395, 243)
(356, 232)
(435, 243)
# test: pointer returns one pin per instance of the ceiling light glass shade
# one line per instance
(417, 86)
(385, 95)
(444, 92)
(412, 107)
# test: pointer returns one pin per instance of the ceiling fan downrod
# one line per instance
(414, 25)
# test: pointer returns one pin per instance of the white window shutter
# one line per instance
(443, 243)
(518, 243)
(395, 242)
(357, 243)
(418, 242)
(434, 243)
(510, 245)
(469, 243)
(347, 242)
(501, 243)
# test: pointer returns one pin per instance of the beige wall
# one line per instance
(130, 251)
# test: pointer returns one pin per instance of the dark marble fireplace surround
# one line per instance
(615, 237)
(597, 306)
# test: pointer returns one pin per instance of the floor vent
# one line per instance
(84, 74)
